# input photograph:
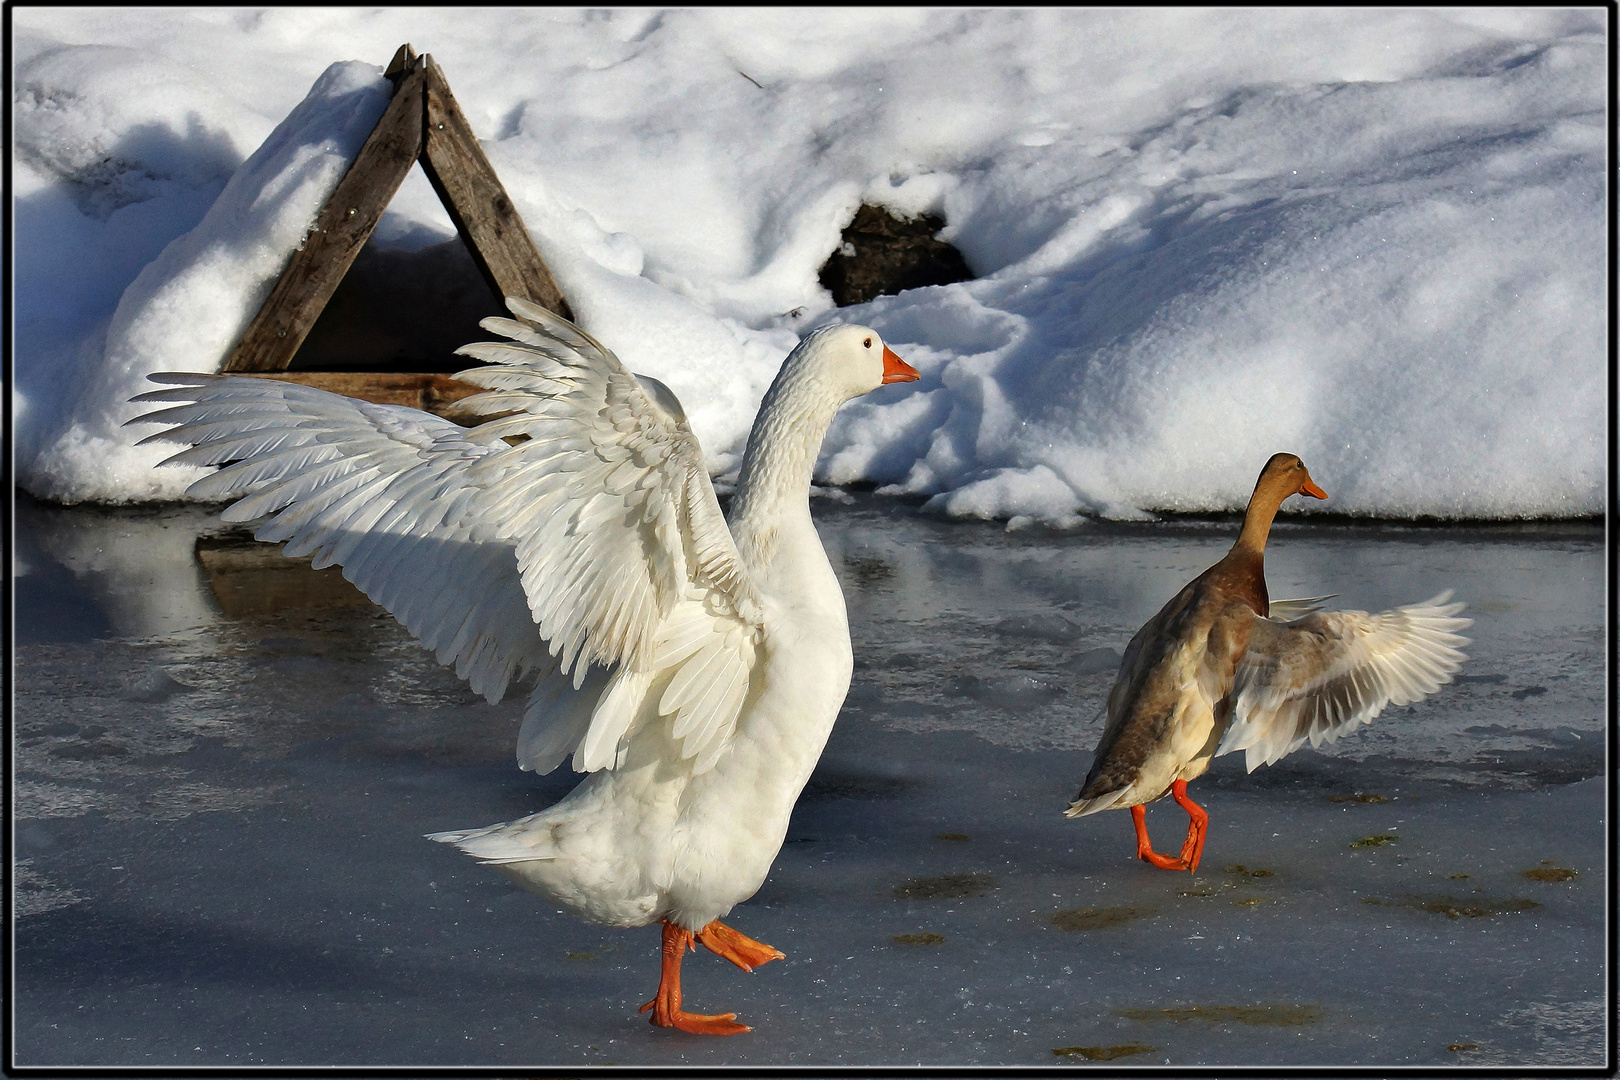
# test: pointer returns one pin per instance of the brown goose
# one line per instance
(1221, 668)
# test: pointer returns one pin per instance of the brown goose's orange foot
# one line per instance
(1163, 862)
(1192, 849)
(1145, 852)
(666, 1004)
(740, 949)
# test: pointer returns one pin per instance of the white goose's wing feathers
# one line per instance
(362, 485)
(1321, 675)
(587, 511)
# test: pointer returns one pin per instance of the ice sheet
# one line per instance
(220, 856)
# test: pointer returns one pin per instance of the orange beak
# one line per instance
(1310, 488)
(896, 369)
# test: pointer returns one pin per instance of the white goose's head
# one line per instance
(846, 361)
(831, 365)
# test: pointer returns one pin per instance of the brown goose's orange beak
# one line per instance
(896, 369)
(1310, 488)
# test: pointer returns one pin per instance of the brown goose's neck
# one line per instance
(1244, 568)
(1257, 521)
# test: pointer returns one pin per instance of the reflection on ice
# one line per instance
(134, 565)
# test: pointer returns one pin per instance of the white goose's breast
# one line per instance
(734, 818)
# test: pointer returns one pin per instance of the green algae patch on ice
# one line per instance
(1376, 841)
(1075, 920)
(1475, 907)
(1548, 872)
(1253, 1015)
(925, 938)
(1239, 868)
(944, 887)
(1103, 1053)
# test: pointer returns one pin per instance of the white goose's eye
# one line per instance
(867, 343)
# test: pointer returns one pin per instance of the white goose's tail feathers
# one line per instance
(508, 842)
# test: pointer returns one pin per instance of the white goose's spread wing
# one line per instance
(1321, 675)
(369, 487)
(587, 511)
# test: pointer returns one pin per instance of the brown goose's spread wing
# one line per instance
(1319, 676)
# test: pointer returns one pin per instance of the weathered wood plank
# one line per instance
(340, 231)
(403, 63)
(483, 213)
(437, 394)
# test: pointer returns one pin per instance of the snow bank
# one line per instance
(1374, 238)
(187, 307)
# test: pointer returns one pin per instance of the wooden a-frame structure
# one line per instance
(423, 124)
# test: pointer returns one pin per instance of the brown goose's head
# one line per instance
(1285, 475)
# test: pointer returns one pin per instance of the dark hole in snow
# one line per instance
(881, 255)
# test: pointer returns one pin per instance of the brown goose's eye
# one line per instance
(867, 343)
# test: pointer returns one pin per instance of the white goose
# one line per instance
(694, 670)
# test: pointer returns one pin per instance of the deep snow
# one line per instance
(1373, 237)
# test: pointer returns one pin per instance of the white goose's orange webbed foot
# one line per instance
(666, 1004)
(740, 949)
(1144, 848)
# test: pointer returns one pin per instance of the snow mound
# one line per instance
(1374, 238)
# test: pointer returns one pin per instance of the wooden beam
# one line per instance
(403, 63)
(341, 230)
(437, 394)
(460, 172)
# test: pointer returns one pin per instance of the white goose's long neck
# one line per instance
(772, 502)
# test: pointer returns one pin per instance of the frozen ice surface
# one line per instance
(1371, 236)
(220, 859)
